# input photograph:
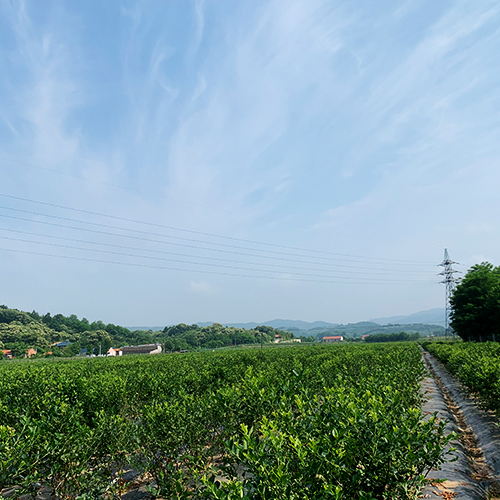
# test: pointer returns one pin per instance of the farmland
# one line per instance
(339, 422)
(477, 365)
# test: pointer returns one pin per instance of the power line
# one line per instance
(278, 278)
(138, 231)
(138, 191)
(380, 280)
(104, 183)
(388, 271)
(125, 219)
(218, 250)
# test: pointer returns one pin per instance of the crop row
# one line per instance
(336, 422)
(477, 365)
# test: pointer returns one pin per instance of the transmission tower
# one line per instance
(450, 281)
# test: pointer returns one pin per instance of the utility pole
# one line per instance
(450, 281)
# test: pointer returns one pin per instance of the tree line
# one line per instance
(21, 330)
(393, 337)
(475, 304)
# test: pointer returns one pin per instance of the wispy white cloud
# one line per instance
(49, 93)
(250, 88)
(199, 6)
(433, 74)
(381, 124)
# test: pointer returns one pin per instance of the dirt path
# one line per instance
(476, 472)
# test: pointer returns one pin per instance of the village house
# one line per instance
(7, 353)
(277, 339)
(61, 345)
(332, 339)
(114, 351)
(141, 349)
(30, 352)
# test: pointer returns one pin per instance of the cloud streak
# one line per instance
(334, 126)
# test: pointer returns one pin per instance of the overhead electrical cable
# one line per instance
(204, 271)
(138, 231)
(202, 233)
(111, 245)
(177, 200)
(197, 247)
(138, 191)
(122, 254)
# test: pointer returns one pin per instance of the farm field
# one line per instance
(476, 365)
(323, 422)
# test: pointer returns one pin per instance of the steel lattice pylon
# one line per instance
(450, 281)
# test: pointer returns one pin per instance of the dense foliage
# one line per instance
(358, 330)
(475, 304)
(393, 337)
(319, 422)
(191, 336)
(20, 331)
(476, 365)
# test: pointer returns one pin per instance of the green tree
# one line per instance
(475, 303)
(33, 335)
(18, 349)
(95, 341)
(72, 350)
(306, 338)
(10, 315)
(393, 337)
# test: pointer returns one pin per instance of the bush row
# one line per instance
(336, 422)
(477, 365)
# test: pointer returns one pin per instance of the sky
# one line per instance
(185, 161)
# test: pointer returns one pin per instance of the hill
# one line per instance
(21, 330)
(282, 324)
(319, 329)
(431, 316)
(356, 330)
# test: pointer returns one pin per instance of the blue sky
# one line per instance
(367, 135)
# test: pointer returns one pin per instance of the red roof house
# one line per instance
(334, 338)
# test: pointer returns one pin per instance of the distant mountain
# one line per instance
(431, 317)
(281, 324)
(372, 328)
(319, 329)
